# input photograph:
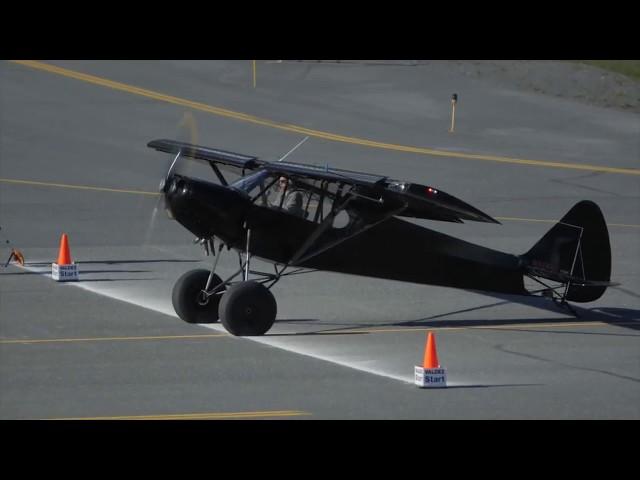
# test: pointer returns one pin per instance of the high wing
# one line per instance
(245, 162)
(336, 175)
(420, 201)
(210, 155)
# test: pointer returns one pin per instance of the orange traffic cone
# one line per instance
(64, 270)
(430, 354)
(430, 374)
(64, 256)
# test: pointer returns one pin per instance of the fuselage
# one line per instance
(392, 249)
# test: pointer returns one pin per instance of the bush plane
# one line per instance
(352, 222)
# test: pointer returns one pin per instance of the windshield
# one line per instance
(250, 183)
(309, 199)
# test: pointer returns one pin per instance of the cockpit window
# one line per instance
(309, 199)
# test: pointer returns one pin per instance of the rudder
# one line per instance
(557, 256)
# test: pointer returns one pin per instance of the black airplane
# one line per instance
(350, 222)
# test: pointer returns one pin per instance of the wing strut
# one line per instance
(291, 151)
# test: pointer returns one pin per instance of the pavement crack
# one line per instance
(500, 348)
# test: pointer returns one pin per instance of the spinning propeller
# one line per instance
(176, 164)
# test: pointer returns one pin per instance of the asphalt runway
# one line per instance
(73, 158)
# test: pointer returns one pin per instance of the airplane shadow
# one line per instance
(116, 262)
(82, 272)
(536, 325)
(114, 271)
(323, 333)
(621, 317)
(296, 320)
(498, 385)
(621, 313)
(2, 274)
(117, 279)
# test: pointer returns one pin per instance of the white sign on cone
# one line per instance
(65, 273)
(430, 377)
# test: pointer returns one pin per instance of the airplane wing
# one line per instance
(206, 154)
(421, 201)
(325, 173)
(214, 155)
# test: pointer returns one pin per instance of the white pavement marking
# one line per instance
(133, 295)
(314, 352)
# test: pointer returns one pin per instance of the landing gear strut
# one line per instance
(245, 308)
(248, 307)
(189, 300)
(196, 295)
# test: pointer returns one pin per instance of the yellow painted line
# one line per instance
(517, 219)
(327, 332)
(306, 131)
(622, 225)
(203, 416)
(483, 327)
(76, 187)
(155, 194)
(108, 339)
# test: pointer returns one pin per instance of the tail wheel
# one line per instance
(247, 309)
(189, 301)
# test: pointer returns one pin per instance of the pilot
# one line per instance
(292, 201)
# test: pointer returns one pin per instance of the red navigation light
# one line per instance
(432, 191)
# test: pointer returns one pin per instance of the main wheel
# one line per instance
(190, 303)
(247, 309)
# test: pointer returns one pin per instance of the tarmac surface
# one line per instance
(73, 158)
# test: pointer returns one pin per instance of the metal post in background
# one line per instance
(454, 101)
(254, 73)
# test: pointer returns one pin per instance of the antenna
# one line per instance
(291, 151)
